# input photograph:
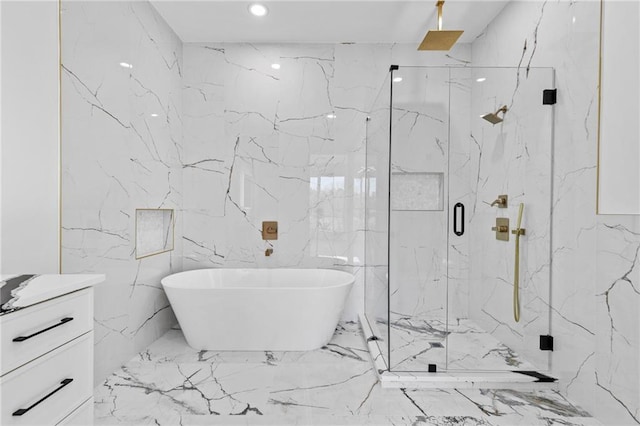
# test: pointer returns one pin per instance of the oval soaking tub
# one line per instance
(258, 309)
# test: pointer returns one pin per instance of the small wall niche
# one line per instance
(154, 231)
(417, 191)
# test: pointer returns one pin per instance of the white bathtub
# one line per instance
(258, 309)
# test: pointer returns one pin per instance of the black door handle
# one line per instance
(458, 219)
(23, 338)
(22, 411)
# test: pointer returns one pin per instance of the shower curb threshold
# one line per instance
(449, 379)
(466, 380)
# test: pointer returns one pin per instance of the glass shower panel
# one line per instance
(513, 158)
(418, 218)
(439, 284)
(376, 174)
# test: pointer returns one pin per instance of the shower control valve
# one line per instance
(502, 201)
(502, 228)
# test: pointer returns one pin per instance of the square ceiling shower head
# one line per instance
(440, 39)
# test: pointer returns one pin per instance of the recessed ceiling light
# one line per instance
(397, 79)
(331, 116)
(481, 79)
(154, 115)
(275, 66)
(258, 9)
(125, 65)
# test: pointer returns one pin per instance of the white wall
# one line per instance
(0, 139)
(619, 175)
(29, 137)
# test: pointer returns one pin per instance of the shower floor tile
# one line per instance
(171, 384)
(417, 342)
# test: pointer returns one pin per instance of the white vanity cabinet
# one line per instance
(46, 361)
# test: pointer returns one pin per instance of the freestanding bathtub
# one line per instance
(258, 309)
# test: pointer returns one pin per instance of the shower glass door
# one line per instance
(419, 199)
(513, 158)
(377, 218)
(450, 291)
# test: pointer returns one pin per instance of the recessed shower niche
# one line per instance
(417, 191)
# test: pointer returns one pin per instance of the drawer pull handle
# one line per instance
(62, 321)
(22, 411)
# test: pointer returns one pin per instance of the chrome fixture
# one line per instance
(501, 228)
(268, 252)
(440, 39)
(516, 274)
(270, 230)
(502, 201)
(493, 118)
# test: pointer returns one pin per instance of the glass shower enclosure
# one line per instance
(453, 157)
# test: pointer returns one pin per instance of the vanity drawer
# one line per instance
(49, 388)
(31, 332)
(82, 416)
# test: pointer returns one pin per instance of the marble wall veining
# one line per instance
(594, 290)
(419, 144)
(284, 144)
(435, 274)
(121, 150)
(214, 132)
(592, 300)
(418, 268)
(430, 124)
(544, 34)
(617, 354)
(265, 144)
(512, 158)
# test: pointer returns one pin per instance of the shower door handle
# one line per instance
(458, 219)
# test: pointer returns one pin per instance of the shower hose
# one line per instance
(516, 275)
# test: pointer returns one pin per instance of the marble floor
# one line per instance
(172, 384)
(419, 341)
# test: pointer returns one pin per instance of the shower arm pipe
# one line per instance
(439, 5)
(518, 231)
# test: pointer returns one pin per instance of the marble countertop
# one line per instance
(19, 291)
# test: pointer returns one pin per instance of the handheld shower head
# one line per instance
(494, 118)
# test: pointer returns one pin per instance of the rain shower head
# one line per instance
(494, 118)
(440, 39)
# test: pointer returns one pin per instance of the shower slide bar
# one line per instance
(518, 231)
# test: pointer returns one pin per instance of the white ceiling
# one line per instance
(324, 21)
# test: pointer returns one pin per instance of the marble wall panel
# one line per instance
(121, 150)
(596, 355)
(618, 312)
(513, 158)
(281, 144)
